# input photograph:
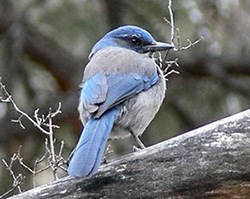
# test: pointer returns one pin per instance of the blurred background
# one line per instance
(44, 45)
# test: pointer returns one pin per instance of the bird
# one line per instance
(121, 92)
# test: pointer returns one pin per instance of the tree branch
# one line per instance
(209, 162)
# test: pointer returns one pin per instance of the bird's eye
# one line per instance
(136, 40)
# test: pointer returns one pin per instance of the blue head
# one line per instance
(130, 37)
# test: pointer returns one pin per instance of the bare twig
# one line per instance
(17, 180)
(164, 64)
(16, 184)
(61, 160)
(178, 39)
(4, 195)
(61, 149)
(20, 159)
(19, 121)
(190, 44)
(9, 99)
(55, 162)
(39, 121)
(171, 22)
(173, 30)
(167, 66)
(168, 71)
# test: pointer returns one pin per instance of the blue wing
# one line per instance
(94, 92)
(106, 91)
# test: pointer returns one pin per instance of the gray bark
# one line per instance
(210, 162)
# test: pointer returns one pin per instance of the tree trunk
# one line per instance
(210, 162)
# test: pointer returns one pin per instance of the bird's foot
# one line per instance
(104, 161)
(135, 149)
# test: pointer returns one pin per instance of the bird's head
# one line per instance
(130, 37)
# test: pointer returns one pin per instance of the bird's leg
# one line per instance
(138, 141)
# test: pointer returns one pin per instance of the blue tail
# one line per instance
(91, 145)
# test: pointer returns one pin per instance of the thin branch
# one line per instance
(173, 36)
(20, 159)
(52, 149)
(17, 180)
(171, 22)
(190, 44)
(178, 39)
(14, 186)
(10, 99)
(171, 72)
(8, 192)
(19, 121)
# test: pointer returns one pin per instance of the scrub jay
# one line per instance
(122, 90)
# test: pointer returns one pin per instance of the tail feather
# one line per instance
(91, 145)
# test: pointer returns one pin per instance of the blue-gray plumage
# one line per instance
(122, 90)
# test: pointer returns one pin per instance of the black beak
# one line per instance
(157, 46)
